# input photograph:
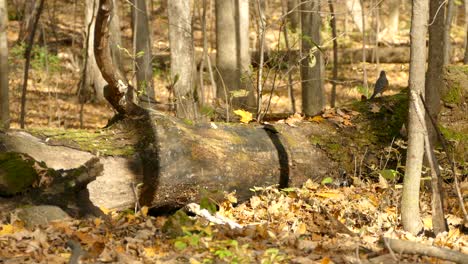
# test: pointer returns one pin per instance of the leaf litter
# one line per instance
(316, 223)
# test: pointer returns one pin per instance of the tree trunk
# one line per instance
(142, 50)
(393, 18)
(335, 53)
(4, 99)
(434, 80)
(182, 58)
(94, 83)
(27, 54)
(118, 92)
(293, 14)
(410, 215)
(448, 27)
(465, 57)
(311, 66)
(231, 49)
(26, 23)
(354, 7)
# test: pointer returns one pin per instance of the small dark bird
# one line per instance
(380, 85)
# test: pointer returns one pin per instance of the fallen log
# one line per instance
(179, 162)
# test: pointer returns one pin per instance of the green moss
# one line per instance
(454, 95)
(188, 122)
(105, 142)
(17, 173)
(450, 134)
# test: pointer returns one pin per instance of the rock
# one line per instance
(40, 215)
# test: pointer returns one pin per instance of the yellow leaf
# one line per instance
(316, 119)
(325, 260)
(246, 116)
(150, 252)
(427, 223)
(301, 229)
(329, 194)
(104, 210)
(97, 221)
(7, 230)
(144, 211)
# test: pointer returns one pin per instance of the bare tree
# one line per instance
(448, 27)
(393, 17)
(313, 99)
(410, 215)
(92, 81)
(142, 50)
(435, 66)
(182, 58)
(231, 51)
(355, 8)
(335, 53)
(4, 101)
(27, 54)
(293, 15)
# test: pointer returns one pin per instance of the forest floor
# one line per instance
(318, 223)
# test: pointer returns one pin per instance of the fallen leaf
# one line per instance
(246, 116)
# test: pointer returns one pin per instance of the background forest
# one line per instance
(233, 131)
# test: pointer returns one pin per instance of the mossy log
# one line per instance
(178, 162)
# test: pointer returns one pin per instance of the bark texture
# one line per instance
(142, 47)
(93, 86)
(187, 161)
(434, 81)
(410, 215)
(4, 99)
(182, 58)
(313, 99)
(232, 48)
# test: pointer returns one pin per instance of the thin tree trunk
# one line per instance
(393, 18)
(182, 60)
(465, 58)
(261, 35)
(4, 99)
(38, 10)
(142, 50)
(410, 214)
(448, 27)
(335, 53)
(355, 8)
(311, 68)
(293, 14)
(364, 69)
(288, 50)
(436, 63)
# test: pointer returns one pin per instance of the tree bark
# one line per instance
(231, 49)
(393, 18)
(335, 53)
(354, 7)
(311, 65)
(434, 80)
(448, 27)
(118, 92)
(293, 14)
(191, 159)
(93, 82)
(4, 98)
(410, 215)
(27, 54)
(465, 57)
(142, 50)
(182, 58)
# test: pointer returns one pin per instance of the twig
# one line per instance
(450, 158)
(409, 247)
